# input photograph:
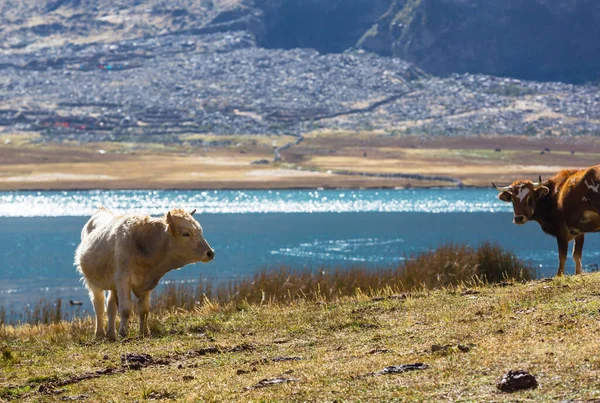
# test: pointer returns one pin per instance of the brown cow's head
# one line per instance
(524, 195)
(189, 239)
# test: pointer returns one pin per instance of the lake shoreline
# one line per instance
(277, 186)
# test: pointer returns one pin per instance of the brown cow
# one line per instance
(130, 253)
(567, 206)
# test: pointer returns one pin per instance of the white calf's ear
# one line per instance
(505, 196)
(193, 211)
(542, 191)
(171, 224)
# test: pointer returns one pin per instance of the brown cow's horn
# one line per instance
(501, 189)
(193, 211)
(539, 183)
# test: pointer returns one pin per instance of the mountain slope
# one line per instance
(550, 40)
(556, 40)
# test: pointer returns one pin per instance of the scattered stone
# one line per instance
(242, 347)
(437, 348)
(264, 360)
(465, 348)
(74, 398)
(282, 359)
(380, 351)
(188, 378)
(49, 390)
(270, 382)
(281, 341)
(105, 371)
(260, 162)
(135, 361)
(205, 351)
(399, 296)
(470, 292)
(241, 372)
(393, 296)
(398, 369)
(155, 395)
(517, 380)
(449, 348)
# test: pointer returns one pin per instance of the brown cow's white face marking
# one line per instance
(593, 186)
(523, 209)
(522, 194)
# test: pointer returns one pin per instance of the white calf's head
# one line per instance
(189, 242)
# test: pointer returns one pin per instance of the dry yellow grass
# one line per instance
(549, 328)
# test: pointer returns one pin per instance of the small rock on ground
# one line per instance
(398, 369)
(517, 380)
(270, 382)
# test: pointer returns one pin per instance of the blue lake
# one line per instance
(253, 230)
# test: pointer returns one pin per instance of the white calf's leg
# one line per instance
(111, 310)
(125, 306)
(143, 305)
(97, 297)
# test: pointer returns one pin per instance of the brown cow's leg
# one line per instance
(577, 250)
(111, 310)
(563, 246)
(143, 304)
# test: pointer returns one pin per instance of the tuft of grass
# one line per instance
(7, 354)
(448, 266)
(452, 265)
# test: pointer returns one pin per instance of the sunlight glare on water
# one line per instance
(157, 202)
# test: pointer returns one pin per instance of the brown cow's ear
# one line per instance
(542, 191)
(505, 196)
(171, 224)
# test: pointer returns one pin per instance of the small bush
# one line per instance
(7, 354)
(449, 265)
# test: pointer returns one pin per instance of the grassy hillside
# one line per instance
(328, 351)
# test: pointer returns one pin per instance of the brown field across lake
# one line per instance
(323, 159)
